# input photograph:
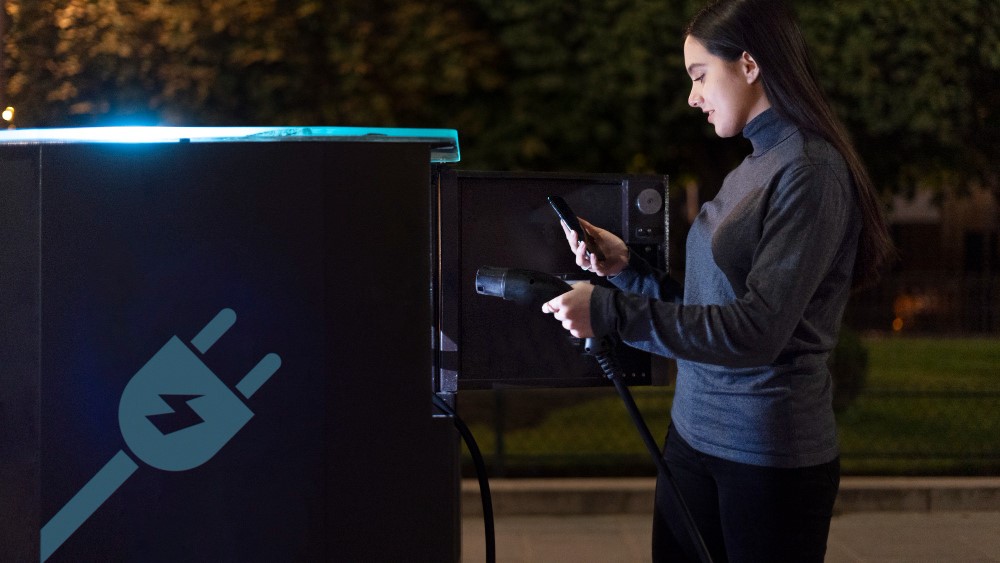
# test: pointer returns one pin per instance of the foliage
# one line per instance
(918, 82)
(848, 364)
(539, 84)
(592, 85)
(267, 62)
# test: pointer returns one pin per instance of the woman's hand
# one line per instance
(573, 310)
(614, 249)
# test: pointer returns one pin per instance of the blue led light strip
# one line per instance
(444, 142)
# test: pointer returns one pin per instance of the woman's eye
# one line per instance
(700, 78)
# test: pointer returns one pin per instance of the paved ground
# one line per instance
(879, 520)
(912, 537)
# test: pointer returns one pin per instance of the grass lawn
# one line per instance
(934, 363)
(931, 406)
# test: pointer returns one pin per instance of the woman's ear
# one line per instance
(750, 69)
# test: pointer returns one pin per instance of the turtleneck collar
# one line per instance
(767, 130)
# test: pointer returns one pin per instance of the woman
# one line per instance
(770, 264)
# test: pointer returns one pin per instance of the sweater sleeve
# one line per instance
(640, 277)
(802, 228)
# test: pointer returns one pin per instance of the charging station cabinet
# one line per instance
(190, 262)
(222, 345)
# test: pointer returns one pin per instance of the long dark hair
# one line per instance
(769, 32)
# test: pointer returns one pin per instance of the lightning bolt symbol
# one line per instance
(181, 414)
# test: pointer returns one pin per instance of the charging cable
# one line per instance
(484, 482)
(603, 350)
(530, 288)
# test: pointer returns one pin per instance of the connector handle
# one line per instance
(524, 287)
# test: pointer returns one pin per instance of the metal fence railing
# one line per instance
(929, 302)
(586, 432)
(950, 426)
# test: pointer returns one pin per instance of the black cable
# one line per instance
(531, 289)
(661, 464)
(484, 482)
(604, 353)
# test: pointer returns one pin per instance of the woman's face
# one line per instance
(728, 91)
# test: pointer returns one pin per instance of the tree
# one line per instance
(596, 86)
(918, 83)
(529, 84)
(266, 62)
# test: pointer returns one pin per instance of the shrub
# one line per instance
(849, 366)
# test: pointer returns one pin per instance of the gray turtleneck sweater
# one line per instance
(769, 265)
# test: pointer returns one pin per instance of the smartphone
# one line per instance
(565, 213)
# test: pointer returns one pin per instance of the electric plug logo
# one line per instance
(175, 414)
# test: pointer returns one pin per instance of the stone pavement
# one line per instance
(876, 537)
(608, 520)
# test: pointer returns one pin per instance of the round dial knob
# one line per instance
(649, 201)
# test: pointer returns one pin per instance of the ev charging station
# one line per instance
(223, 344)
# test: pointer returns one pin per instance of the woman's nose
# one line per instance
(694, 99)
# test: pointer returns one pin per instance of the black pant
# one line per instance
(745, 513)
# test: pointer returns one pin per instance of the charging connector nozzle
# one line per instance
(524, 287)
